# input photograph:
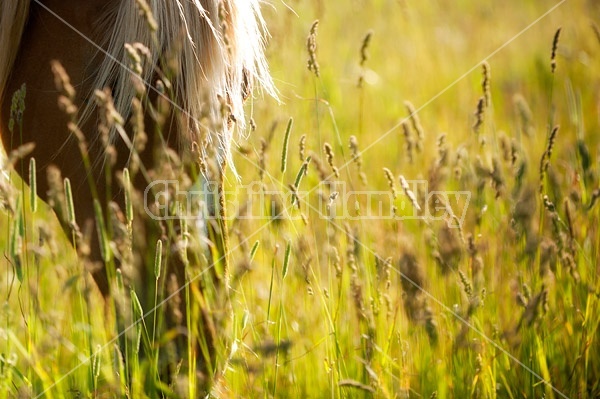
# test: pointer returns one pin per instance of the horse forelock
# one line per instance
(218, 49)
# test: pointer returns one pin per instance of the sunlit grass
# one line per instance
(507, 305)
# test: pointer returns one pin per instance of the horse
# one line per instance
(87, 66)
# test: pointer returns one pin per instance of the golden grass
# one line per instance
(503, 303)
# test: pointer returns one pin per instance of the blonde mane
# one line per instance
(216, 48)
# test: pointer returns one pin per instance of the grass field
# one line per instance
(446, 243)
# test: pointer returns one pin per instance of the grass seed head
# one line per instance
(479, 114)
(146, 13)
(467, 287)
(302, 148)
(262, 154)
(70, 205)
(486, 83)
(311, 46)
(409, 193)
(357, 159)
(323, 175)
(416, 124)
(17, 108)
(524, 113)
(329, 153)
(364, 56)
(409, 141)
(554, 49)
(364, 47)
(286, 141)
(158, 259)
(62, 81)
(545, 160)
(390, 179)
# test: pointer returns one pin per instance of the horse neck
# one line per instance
(77, 15)
(13, 17)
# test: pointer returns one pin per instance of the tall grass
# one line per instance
(499, 302)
